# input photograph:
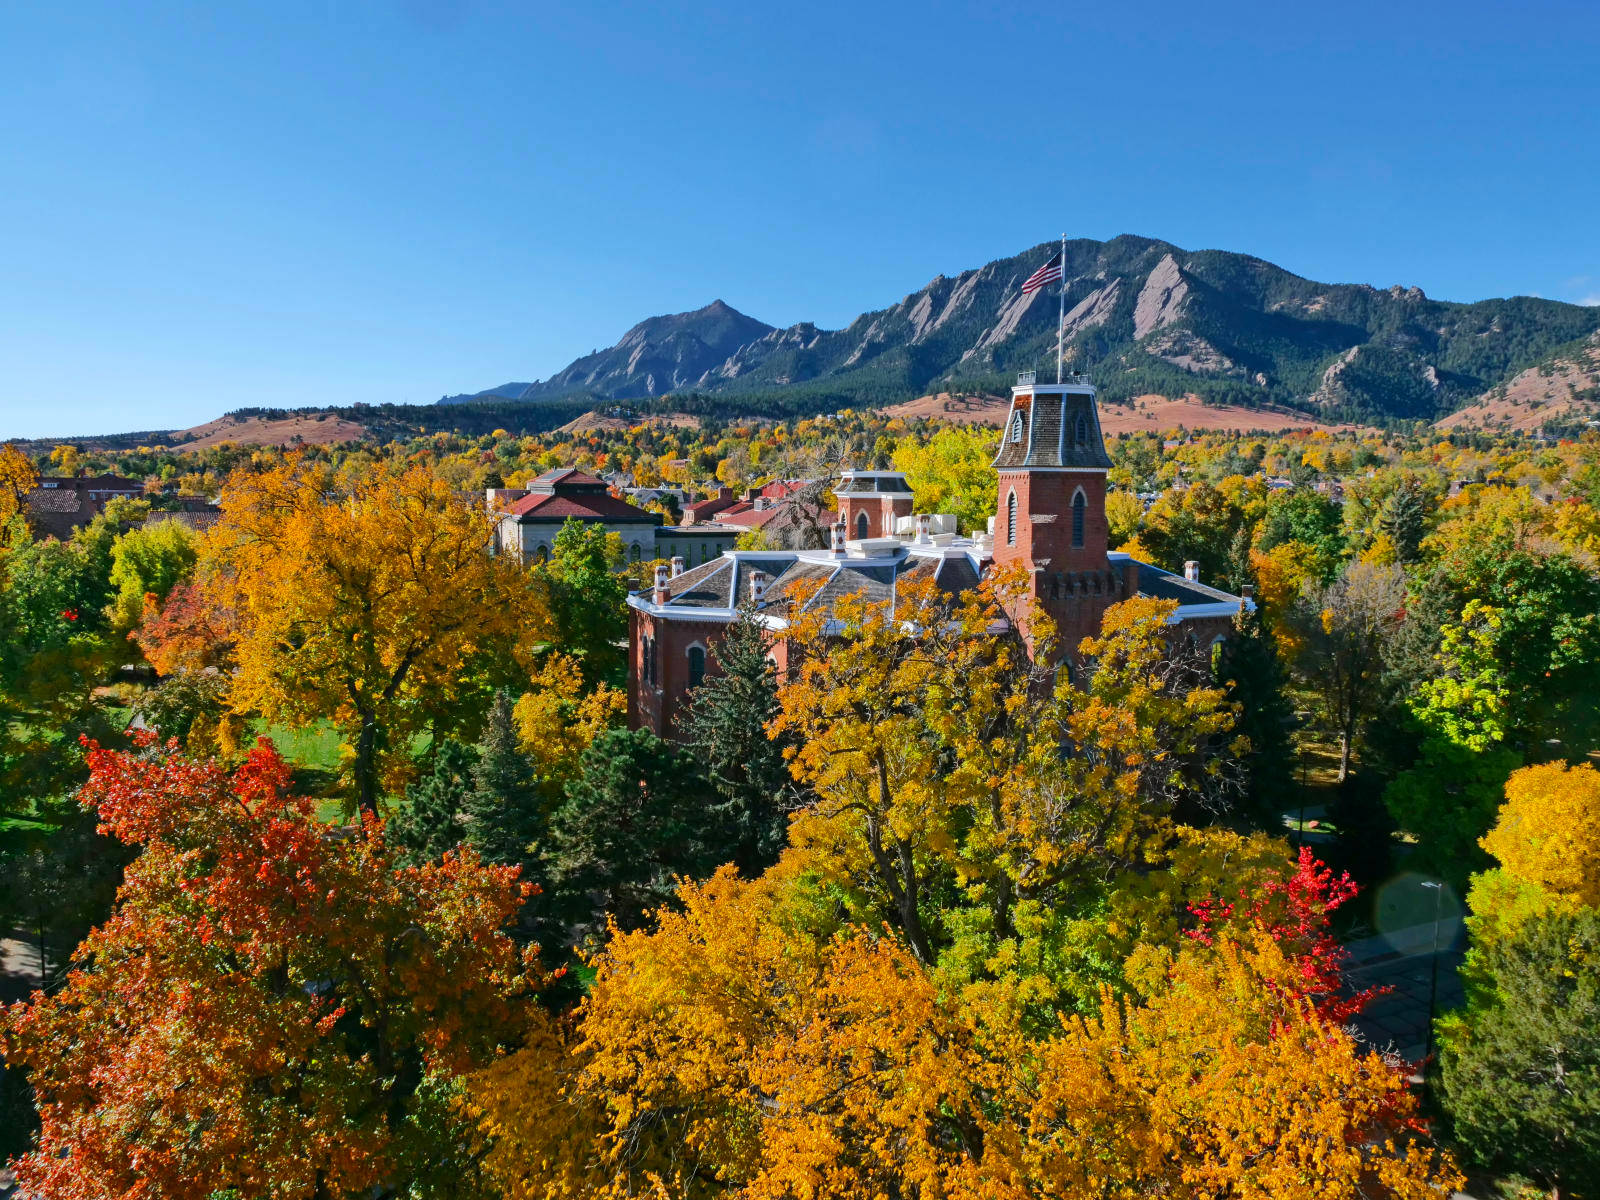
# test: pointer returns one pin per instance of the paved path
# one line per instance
(1404, 961)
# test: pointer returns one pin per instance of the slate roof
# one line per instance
(568, 477)
(1044, 413)
(1164, 585)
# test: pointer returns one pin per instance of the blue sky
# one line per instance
(211, 206)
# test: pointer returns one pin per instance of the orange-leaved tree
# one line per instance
(728, 1054)
(372, 601)
(270, 1009)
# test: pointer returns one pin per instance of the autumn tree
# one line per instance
(372, 602)
(148, 562)
(728, 1053)
(193, 629)
(559, 715)
(934, 748)
(269, 1010)
(1344, 629)
(951, 472)
(18, 477)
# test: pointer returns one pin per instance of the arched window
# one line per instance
(1079, 507)
(1011, 519)
(542, 554)
(1081, 436)
(861, 526)
(1016, 428)
(648, 653)
(697, 665)
(636, 552)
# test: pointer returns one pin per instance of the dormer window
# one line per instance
(1016, 428)
(1081, 435)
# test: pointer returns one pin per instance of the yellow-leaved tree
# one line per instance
(17, 479)
(728, 1054)
(1547, 843)
(557, 718)
(372, 601)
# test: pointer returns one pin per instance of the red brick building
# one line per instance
(1050, 519)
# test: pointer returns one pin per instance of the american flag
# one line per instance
(1047, 274)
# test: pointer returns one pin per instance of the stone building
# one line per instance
(528, 519)
(1050, 521)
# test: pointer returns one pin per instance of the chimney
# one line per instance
(677, 565)
(1191, 571)
(838, 539)
(660, 596)
(922, 529)
(1247, 591)
(758, 584)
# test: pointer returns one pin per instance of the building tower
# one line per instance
(1050, 513)
(871, 501)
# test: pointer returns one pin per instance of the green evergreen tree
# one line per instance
(1255, 679)
(431, 820)
(505, 813)
(1520, 1067)
(1404, 520)
(744, 767)
(634, 819)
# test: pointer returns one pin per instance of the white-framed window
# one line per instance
(1016, 428)
(1011, 518)
(861, 526)
(1080, 508)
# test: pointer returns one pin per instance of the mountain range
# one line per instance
(1142, 316)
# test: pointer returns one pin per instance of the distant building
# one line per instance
(527, 521)
(62, 503)
(1050, 521)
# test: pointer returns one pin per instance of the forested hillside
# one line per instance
(1142, 315)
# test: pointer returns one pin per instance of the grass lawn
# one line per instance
(313, 752)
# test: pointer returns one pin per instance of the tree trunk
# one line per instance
(1344, 754)
(366, 766)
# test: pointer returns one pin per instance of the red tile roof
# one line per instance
(586, 507)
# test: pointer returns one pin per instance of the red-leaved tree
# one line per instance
(1294, 912)
(272, 1009)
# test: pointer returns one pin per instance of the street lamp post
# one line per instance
(1437, 887)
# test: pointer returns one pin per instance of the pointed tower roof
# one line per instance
(1053, 425)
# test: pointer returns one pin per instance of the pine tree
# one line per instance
(634, 819)
(1521, 1066)
(431, 820)
(744, 766)
(1249, 666)
(505, 813)
(1404, 519)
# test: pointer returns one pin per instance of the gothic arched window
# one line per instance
(1016, 428)
(861, 526)
(697, 665)
(1079, 507)
(1011, 519)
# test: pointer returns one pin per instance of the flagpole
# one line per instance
(1061, 308)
